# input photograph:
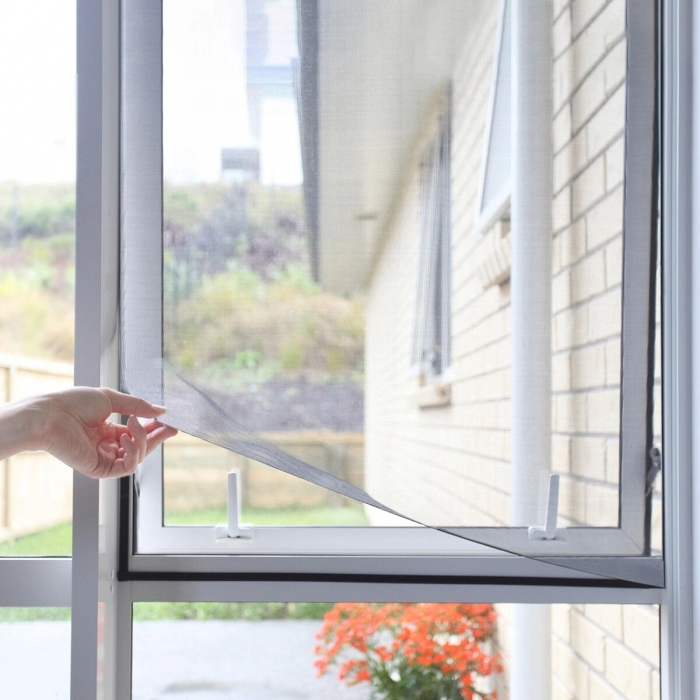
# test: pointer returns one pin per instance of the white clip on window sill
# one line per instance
(233, 529)
(549, 531)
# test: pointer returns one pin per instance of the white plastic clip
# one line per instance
(549, 531)
(233, 503)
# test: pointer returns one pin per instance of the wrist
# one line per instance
(24, 426)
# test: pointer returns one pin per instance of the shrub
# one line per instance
(427, 651)
(237, 321)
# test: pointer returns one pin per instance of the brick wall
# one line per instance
(465, 444)
(599, 651)
(464, 448)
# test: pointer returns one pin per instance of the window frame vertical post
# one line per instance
(96, 329)
(88, 317)
(678, 655)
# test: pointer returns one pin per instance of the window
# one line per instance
(365, 143)
(494, 186)
(431, 334)
(352, 564)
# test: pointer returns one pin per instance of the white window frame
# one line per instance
(141, 220)
(94, 573)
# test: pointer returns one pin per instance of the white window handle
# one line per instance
(233, 503)
(549, 531)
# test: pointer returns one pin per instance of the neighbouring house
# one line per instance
(414, 209)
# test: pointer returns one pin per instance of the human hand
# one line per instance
(78, 432)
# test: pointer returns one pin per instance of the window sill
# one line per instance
(434, 395)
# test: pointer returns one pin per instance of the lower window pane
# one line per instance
(597, 651)
(357, 651)
(256, 651)
(35, 653)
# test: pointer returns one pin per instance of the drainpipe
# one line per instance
(531, 310)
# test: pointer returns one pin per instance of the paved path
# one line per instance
(180, 660)
(34, 660)
(238, 660)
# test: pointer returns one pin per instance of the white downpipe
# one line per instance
(531, 309)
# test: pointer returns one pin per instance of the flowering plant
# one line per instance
(426, 651)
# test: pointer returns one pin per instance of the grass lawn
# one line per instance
(187, 611)
(54, 542)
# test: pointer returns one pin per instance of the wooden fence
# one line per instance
(36, 490)
(195, 471)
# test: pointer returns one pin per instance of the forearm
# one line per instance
(73, 425)
(21, 427)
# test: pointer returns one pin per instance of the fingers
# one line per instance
(131, 456)
(126, 404)
(154, 434)
(158, 435)
(138, 433)
(120, 467)
(135, 441)
(152, 425)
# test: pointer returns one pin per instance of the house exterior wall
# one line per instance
(598, 651)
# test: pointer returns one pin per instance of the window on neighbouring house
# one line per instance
(432, 330)
(493, 199)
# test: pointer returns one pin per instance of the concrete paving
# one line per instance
(35, 660)
(180, 660)
(236, 660)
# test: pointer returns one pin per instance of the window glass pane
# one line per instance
(243, 314)
(37, 255)
(593, 651)
(277, 650)
(35, 652)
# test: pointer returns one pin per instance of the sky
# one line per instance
(38, 87)
(204, 94)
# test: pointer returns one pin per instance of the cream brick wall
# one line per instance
(465, 445)
(589, 101)
(605, 651)
(598, 651)
(460, 454)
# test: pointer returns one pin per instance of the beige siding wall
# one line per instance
(460, 453)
